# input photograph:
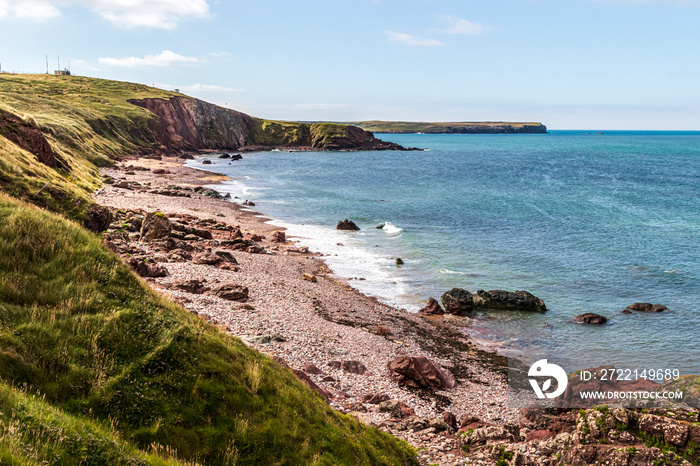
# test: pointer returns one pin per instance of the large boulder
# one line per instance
(590, 318)
(458, 301)
(97, 218)
(509, 301)
(155, 226)
(147, 270)
(232, 293)
(347, 225)
(420, 372)
(647, 307)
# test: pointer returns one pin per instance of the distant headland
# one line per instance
(467, 127)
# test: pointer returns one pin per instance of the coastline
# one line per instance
(320, 322)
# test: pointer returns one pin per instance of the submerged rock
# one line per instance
(348, 225)
(509, 301)
(647, 307)
(590, 318)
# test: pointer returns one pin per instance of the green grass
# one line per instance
(87, 121)
(98, 351)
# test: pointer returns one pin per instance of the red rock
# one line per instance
(311, 369)
(354, 367)
(375, 398)
(458, 301)
(279, 237)
(420, 372)
(451, 420)
(432, 308)
(648, 307)
(232, 293)
(311, 384)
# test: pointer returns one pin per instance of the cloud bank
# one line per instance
(164, 58)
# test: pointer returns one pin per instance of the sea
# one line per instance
(589, 221)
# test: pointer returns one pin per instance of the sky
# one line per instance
(570, 64)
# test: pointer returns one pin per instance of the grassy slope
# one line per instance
(87, 121)
(79, 328)
(426, 127)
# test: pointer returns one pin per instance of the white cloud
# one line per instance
(164, 58)
(455, 25)
(163, 14)
(220, 54)
(82, 64)
(37, 11)
(408, 39)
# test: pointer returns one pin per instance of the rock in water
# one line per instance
(648, 307)
(155, 226)
(348, 225)
(206, 162)
(458, 301)
(420, 372)
(590, 318)
(432, 308)
(509, 301)
(399, 261)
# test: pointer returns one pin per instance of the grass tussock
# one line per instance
(105, 358)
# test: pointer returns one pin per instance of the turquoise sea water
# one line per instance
(588, 222)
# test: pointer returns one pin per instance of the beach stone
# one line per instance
(348, 225)
(647, 307)
(206, 162)
(232, 292)
(353, 367)
(279, 237)
(458, 301)
(147, 270)
(191, 286)
(432, 308)
(590, 318)
(155, 226)
(226, 257)
(509, 301)
(450, 421)
(420, 372)
(396, 409)
(312, 369)
(375, 398)
(265, 339)
(207, 258)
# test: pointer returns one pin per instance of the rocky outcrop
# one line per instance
(509, 301)
(97, 218)
(186, 124)
(347, 225)
(155, 226)
(420, 372)
(31, 139)
(458, 301)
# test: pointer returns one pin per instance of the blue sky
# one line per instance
(571, 64)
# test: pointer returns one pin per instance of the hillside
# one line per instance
(105, 362)
(485, 127)
(55, 131)
(96, 367)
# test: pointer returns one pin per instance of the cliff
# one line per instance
(485, 127)
(184, 123)
(55, 131)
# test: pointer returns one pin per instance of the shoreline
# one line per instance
(320, 322)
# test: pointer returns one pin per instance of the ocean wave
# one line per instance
(391, 229)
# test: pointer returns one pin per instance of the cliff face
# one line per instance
(190, 124)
